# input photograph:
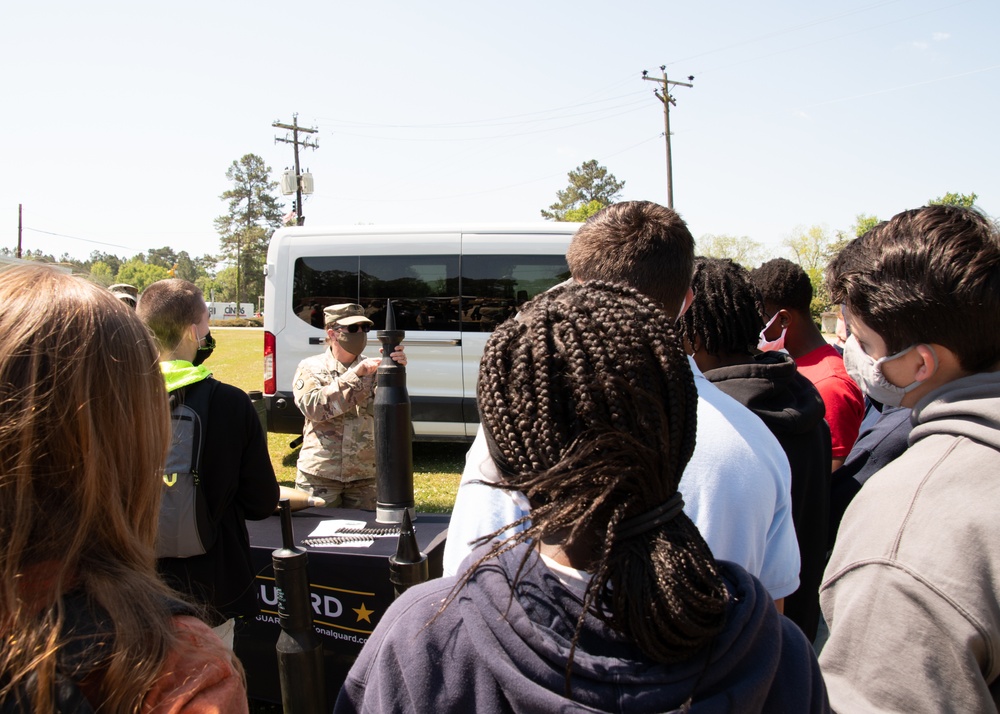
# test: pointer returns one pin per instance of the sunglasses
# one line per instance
(354, 328)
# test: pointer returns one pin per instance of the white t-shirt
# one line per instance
(736, 489)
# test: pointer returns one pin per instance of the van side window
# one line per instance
(321, 281)
(423, 288)
(495, 286)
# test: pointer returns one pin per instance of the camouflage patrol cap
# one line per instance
(128, 294)
(125, 289)
(344, 314)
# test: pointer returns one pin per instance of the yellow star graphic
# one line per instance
(363, 613)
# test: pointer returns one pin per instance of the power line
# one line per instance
(85, 240)
(743, 116)
(783, 31)
(426, 170)
(630, 108)
(479, 123)
(858, 31)
(902, 86)
(383, 199)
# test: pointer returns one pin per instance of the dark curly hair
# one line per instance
(590, 405)
(784, 284)
(727, 312)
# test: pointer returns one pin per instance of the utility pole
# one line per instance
(663, 94)
(20, 228)
(296, 129)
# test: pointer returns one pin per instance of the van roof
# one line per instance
(555, 228)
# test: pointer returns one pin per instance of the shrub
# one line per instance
(238, 322)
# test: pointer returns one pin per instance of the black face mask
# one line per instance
(205, 352)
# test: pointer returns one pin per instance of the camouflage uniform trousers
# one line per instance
(339, 494)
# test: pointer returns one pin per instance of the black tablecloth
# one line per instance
(350, 591)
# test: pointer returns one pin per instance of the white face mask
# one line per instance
(853, 358)
(871, 380)
(777, 345)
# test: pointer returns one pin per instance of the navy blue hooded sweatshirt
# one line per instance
(488, 652)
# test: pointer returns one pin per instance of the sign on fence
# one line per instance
(227, 310)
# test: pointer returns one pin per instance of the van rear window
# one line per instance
(423, 289)
(495, 286)
(428, 292)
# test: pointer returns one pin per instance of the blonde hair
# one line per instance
(84, 429)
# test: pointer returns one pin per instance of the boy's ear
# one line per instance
(784, 317)
(929, 362)
(686, 303)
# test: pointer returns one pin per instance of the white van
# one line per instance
(449, 286)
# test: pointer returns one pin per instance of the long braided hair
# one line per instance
(727, 312)
(589, 402)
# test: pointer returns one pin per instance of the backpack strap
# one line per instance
(198, 397)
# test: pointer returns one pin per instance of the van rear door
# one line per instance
(420, 274)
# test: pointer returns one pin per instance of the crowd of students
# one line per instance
(669, 451)
(575, 580)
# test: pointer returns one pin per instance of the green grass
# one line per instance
(437, 467)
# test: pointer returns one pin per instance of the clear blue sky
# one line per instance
(121, 117)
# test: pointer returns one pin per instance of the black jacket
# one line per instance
(239, 484)
(793, 410)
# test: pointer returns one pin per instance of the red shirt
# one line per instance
(845, 405)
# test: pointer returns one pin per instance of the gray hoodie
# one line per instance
(911, 591)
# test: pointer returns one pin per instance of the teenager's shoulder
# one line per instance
(198, 674)
(224, 393)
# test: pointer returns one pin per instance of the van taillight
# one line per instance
(270, 383)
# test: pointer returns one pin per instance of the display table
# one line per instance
(350, 592)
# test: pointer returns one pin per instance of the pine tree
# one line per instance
(589, 183)
(254, 214)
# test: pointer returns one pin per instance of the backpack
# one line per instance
(84, 641)
(186, 527)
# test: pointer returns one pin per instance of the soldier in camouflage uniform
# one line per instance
(334, 391)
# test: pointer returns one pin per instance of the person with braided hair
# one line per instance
(610, 599)
(720, 331)
(737, 485)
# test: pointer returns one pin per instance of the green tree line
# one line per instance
(592, 187)
(141, 269)
(235, 274)
(253, 213)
